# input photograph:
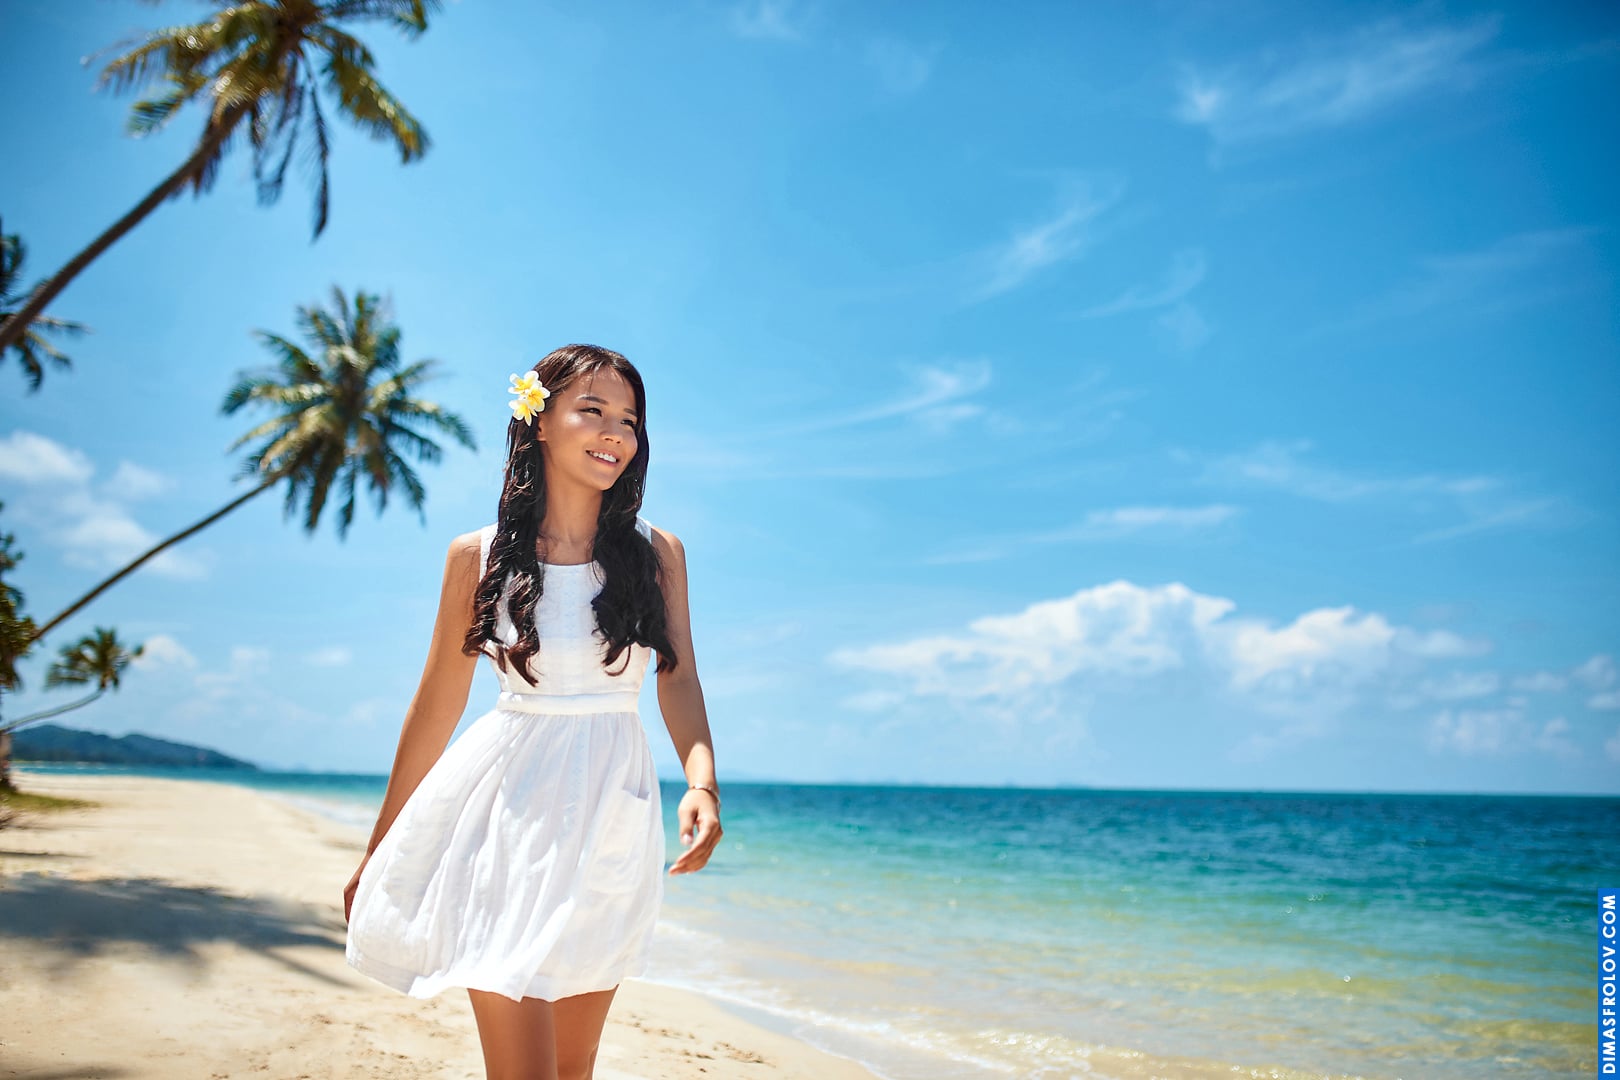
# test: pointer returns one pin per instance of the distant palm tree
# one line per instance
(343, 415)
(30, 346)
(98, 658)
(254, 63)
(16, 629)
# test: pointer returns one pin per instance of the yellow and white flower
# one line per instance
(531, 396)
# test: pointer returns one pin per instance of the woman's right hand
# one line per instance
(354, 883)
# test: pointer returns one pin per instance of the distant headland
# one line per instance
(54, 743)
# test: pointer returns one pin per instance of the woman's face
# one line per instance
(595, 415)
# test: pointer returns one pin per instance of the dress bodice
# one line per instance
(572, 652)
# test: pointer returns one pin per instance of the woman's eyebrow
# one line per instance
(604, 401)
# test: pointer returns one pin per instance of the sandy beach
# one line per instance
(184, 929)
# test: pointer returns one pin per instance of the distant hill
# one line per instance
(52, 742)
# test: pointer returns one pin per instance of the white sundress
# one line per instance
(530, 859)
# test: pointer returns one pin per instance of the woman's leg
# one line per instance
(519, 1037)
(578, 1023)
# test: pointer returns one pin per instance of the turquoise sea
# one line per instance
(952, 932)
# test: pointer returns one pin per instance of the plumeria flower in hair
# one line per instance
(531, 396)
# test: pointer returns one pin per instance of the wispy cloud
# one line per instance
(938, 395)
(931, 400)
(774, 20)
(1060, 237)
(1186, 271)
(1485, 502)
(901, 66)
(91, 527)
(1183, 327)
(1509, 274)
(1330, 83)
(1098, 526)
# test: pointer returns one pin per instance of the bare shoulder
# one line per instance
(467, 544)
(667, 545)
(462, 559)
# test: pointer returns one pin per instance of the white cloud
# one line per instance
(1475, 732)
(163, 651)
(1607, 701)
(33, 459)
(1132, 631)
(92, 530)
(1059, 238)
(331, 656)
(1321, 640)
(1554, 739)
(1598, 673)
(1460, 685)
(1329, 84)
(1611, 746)
(132, 481)
(105, 538)
(1050, 658)
(1539, 682)
(1439, 644)
(1497, 732)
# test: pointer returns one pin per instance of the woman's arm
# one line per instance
(680, 699)
(441, 696)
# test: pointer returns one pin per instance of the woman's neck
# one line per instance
(569, 528)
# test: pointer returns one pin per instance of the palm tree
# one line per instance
(16, 629)
(257, 64)
(31, 347)
(342, 415)
(98, 658)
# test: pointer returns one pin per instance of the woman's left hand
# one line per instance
(699, 819)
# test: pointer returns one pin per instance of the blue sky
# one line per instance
(1177, 395)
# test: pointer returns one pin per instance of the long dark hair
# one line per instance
(630, 607)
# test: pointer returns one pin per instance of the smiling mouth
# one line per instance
(603, 460)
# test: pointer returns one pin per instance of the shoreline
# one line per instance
(188, 928)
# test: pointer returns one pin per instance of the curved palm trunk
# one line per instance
(13, 327)
(58, 711)
(5, 734)
(175, 539)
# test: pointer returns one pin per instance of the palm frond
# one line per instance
(373, 108)
(343, 412)
(410, 16)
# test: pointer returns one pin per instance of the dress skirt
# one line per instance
(528, 862)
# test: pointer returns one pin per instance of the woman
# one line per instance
(525, 861)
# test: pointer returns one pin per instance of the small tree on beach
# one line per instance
(29, 346)
(257, 65)
(343, 415)
(98, 658)
(16, 629)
